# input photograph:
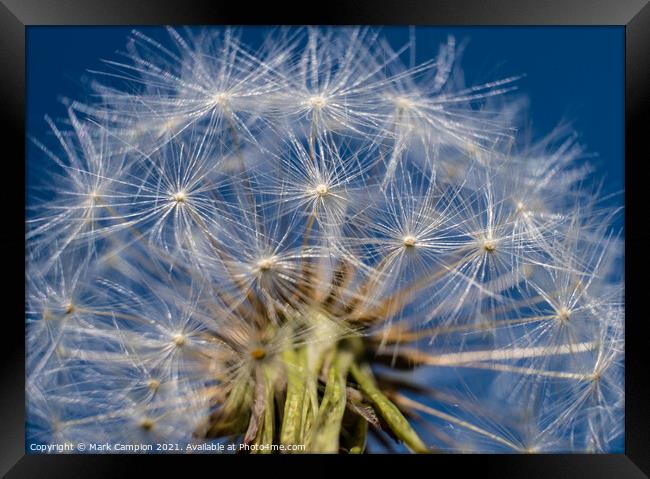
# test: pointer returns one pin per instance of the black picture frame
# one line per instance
(634, 15)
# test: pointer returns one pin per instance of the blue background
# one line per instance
(572, 73)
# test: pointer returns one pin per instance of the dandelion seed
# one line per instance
(317, 102)
(409, 240)
(564, 314)
(147, 424)
(321, 190)
(221, 99)
(489, 245)
(266, 263)
(179, 197)
(258, 354)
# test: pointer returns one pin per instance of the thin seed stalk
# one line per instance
(292, 429)
(358, 436)
(311, 356)
(266, 426)
(325, 434)
(388, 411)
(235, 412)
(265, 435)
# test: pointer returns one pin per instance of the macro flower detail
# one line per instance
(316, 247)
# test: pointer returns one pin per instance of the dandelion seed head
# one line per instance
(240, 233)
